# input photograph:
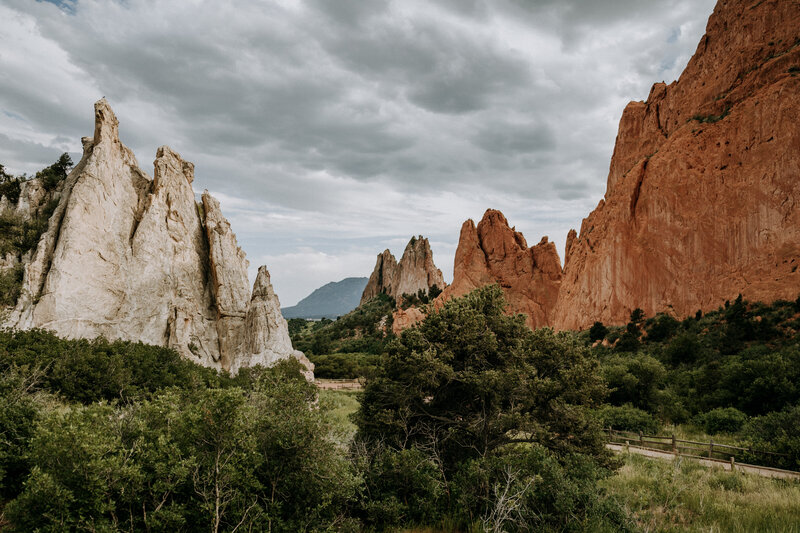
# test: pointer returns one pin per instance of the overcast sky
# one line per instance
(332, 129)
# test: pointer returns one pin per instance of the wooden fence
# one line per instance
(690, 448)
(339, 384)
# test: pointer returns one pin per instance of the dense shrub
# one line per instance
(627, 418)
(722, 420)
(661, 328)
(87, 371)
(597, 332)
(345, 365)
(635, 379)
(192, 460)
(778, 432)
(11, 285)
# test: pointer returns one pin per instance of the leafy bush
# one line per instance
(778, 432)
(635, 379)
(661, 328)
(722, 420)
(627, 418)
(53, 175)
(345, 365)
(597, 332)
(11, 285)
(88, 371)
(10, 186)
(191, 460)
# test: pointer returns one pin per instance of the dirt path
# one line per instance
(739, 467)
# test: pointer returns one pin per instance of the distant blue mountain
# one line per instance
(329, 301)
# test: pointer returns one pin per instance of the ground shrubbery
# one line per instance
(728, 371)
(367, 329)
(345, 365)
(627, 418)
(123, 436)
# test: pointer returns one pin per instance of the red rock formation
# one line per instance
(415, 271)
(493, 252)
(703, 194)
(405, 318)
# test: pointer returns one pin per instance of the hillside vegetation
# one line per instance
(112, 436)
(351, 346)
(734, 371)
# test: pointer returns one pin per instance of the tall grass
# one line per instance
(341, 404)
(685, 496)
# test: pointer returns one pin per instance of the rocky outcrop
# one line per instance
(382, 278)
(493, 252)
(703, 193)
(415, 272)
(266, 334)
(129, 257)
(405, 318)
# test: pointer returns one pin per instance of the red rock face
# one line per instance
(703, 194)
(493, 252)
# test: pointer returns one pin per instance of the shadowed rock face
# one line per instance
(415, 271)
(132, 258)
(703, 193)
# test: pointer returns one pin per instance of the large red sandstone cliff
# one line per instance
(703, 193)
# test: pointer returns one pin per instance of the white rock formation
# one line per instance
(132, 258)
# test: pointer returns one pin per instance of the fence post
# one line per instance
(674, 445)
(733, 464)
(641, 443)
(710, 448)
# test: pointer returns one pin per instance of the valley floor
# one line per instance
(678, 495)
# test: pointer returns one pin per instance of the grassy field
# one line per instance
(684, 496)
(342, 403)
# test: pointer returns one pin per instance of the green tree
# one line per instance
(479, 379)
(597, 332)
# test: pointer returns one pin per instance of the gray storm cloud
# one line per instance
(347, 125)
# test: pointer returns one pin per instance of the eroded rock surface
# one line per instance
(129, 257)
(703, 194)
(493, 252)
(416, 271)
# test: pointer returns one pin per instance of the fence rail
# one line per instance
(671, 444)
(337, 384)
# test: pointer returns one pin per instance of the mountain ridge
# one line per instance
(332, 300)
